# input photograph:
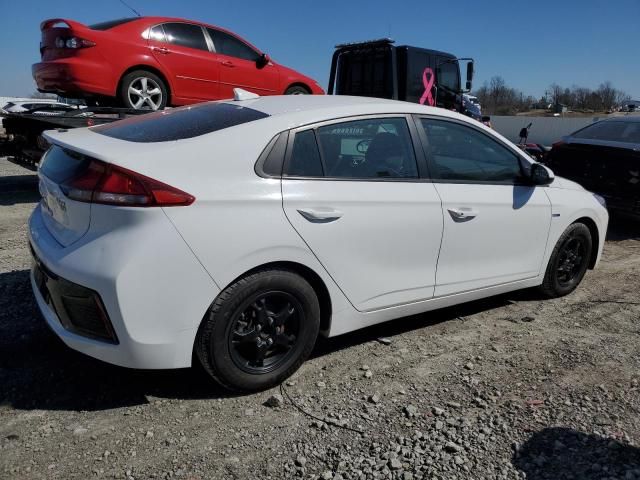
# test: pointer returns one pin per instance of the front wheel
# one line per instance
(297, 90)
(143, 90)
(259, 330)
(569, 261)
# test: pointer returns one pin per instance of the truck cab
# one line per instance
(378, 68)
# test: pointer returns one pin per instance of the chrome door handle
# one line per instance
(320, 215)
(162, 50)
(462, 214)
(227, 63)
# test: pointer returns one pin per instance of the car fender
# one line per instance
(568, 206)
(289, 77)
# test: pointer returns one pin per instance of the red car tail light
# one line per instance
(73, 43)
(112, 185)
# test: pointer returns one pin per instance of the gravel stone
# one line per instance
(552, 401)
(274, 401)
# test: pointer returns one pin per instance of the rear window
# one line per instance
(179, 123)
(612, 131)
(366, 72)
(112, 23)
(60, 164)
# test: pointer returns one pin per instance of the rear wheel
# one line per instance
(259, 330)
(569, 261)
(143, 90)
(297, 90)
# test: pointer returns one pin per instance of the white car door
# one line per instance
(353, 192)
(495, 225)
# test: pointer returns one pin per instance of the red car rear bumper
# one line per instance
(74, 76)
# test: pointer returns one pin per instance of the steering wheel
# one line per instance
(363, 145)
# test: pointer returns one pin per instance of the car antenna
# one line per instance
(130, 8)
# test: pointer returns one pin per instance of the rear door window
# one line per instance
(371, 148)
(185, 35)
(179, 123)
(157, 34)
(305, 157)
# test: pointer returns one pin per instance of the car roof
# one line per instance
(318, 107)
(623, 118)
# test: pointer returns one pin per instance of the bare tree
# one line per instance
(581, 97)
(554, 92)
(608, 95)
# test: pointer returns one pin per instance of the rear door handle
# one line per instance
(462, 213)
(317, 215)
(162, 50)
(228, 63)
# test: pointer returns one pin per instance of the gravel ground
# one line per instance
(509, 387)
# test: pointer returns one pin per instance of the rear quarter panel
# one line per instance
(237, 222)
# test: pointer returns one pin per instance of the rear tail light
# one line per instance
(73, 43)
(112, 185)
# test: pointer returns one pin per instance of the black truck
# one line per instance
(378, 68)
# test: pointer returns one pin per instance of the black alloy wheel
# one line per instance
(265, 330)
(259, 330)
(568, 262)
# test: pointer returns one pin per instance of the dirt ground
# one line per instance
(509, 387)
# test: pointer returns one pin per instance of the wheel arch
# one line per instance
(149, 68)
(595, 237)
(316, 282)
(299, 84)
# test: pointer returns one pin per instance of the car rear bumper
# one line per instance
(74, 76)
(154, 298)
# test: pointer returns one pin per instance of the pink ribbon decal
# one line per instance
(428, 85)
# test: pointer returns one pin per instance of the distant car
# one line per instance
(604, 158)
(241, 230)
(472, 106)
(152, 62)
(40, 106)
(18, 106)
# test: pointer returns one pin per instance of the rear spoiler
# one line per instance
(53, 21)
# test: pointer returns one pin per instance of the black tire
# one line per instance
(155, 96)
(234, 333)
(297, 90)
(568, 262)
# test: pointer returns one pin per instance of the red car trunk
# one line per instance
(55, 36)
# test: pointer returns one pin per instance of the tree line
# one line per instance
(496, 97)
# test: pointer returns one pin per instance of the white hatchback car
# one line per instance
(240, 230)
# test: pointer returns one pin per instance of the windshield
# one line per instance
(613, 131)
(179, 123)
(448, 75)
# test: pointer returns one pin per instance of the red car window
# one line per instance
(229, 45)
(185, 35)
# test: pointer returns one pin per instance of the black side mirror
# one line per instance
(263, 60)
(469, 75)
(539, 175)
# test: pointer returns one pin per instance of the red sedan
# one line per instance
(152, 62)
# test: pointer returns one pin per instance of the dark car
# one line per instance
(604, 158)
